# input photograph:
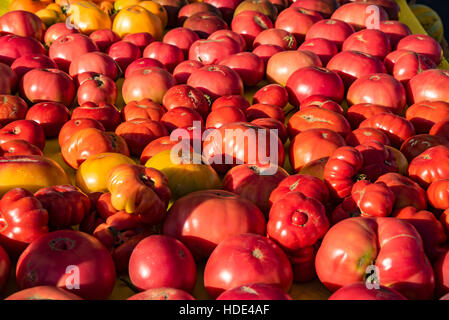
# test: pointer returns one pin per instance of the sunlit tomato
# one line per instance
(303, 147)
(50, 115)
(97, 89)
(74, 125)
(183, 70)
(255, 259)
(272, 125)
(27, 130)
(278, 37)
(13, 47)
(373, 199)
(395, 30)
(231, 100)
(92, 173)
(249, 24)
(105, 113)
(323, 48)
(88, 17)
(156, 146)
(262, 110)
(224, 33)
(57, 30)
(11, 108)
(325, 7)
(257, 291)
(104, 38)
(124, 53)
(156, 9)
(66, 48)
(249, 67)
(139, 39)
(143, 109)
(22, 23)
(431, 85)
(437, 194)
(43, 293)
(223, 115)
(266, 51)
(212, 51)
(417, 144)
(205, 23)
(296, 21)
(182, 38)
(357, 113)
(359, 291)
(422, 44)
(440, 128)
(431, 165)
(88, 142)
(192, 8)
(300, 86)
(352, 65)
(32, 61)
(150, 83)
(364, 135)
(27, 5)
(98, 62)
(315, 168)
(169, 55)
(283, 64)
(180, 117)
(19, 148)
(370, 41)
(186, 96)
(336, 31)
(322, 102)
(263, 6)
(135, 19)
(226, 7)
(358, 14)
(141, 64)
(271, 94)
(410, 64)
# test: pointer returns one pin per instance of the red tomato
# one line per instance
(303, 148)
(273, 124)
(410, 64)
(310, 81)
(297, 21)
(97, 89)
(373, 199)
(212, 51)
(431, 165)
(149, 83)
(422, 44)
(50, 115)
(23, 220)
(180, 117)
(256, 291)
(377, 160)
(216, 81)
(43, 293)
(190, 221)
(39, 85)
(223, 33)
(250, 259)
(249, 24)
(183, 70)
(231, 100)
(430, 85)
(11, 108)
(416, 145)
(323, 48)
(248, 66)
(124, 53)
(139, 132)
(105, 113)
(278, 37)
(325, 7)
(104, 38)
(156, 146)
(155, 263)
(8, 80)
(226, 7)
(441, 268)
(142, 64)
(378, 242)
(57, 30)
(169, 55)
(186, 96)
(438, 194)
(32, 61)
(224, 115)
(13, 47)
(358, 15)
(22, 23)
(395, 31)
(68, 47)
(192, 8)
(424, 115)
(357, 113)
(98, 62)
(359, 291)
(353, 65)
(398, 129)
(266, 51)
(370, 41)
(271, 94)
(322, 102)
(19, 147)
(363, 135)
(336, 31)
(49, 257)
(182, 38)
(70, 127)
(139, 39)
(205, 23)
(162, 294)
(440, 128)
(27, 130)
(261, 110)
(143, 109)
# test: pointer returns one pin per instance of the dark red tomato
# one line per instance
(277, 37)
(5, 267)
(162, 294)
(310, 81)
(378, 88)
(106, 113)
(303, 148)
(325, 49)
(155, 263)
(50, 115)
(104, 38)
(352, 65)
(303, 264)
(186, 96)
(441, 268)
(441, 128)
(223, 115)
(190, 221)
(43, 293)
(249, 24)
(325, 7)
(124, 53)
(410, 64)
(249, 67)
(181, 117)
(193, 8)
(32, 61)
(70, 127)
(377, 160)
(50, 260)
(183, 70)
(27, 130)
(13, 47)
(262, 110)
(431, 85)
(11, 108)
(182, 38)
(297, 221)
(431, 165)
(140, 39)
(169, 55)
(205, 23)
(357, 113)
(414, 146)
(226, 7)
(256, 291)
(422, 44)
(231, 100)
(395, 30)
(370, 41)
(336, 31)
(424, 115)
(364, 135)
(297, 21)
(359, 291)
(398, 129)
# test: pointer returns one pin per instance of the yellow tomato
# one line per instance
(120, 4)
(50, 16)
(55, 7)
(28, 5)
(31, 173)
(184, 176)
(93, 173)
(156, 9)
(134, 19)
(88, 17)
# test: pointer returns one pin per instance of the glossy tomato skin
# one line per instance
(106, 113)
(141, 64)
(182, 38)
(22, 23)
(13, 47)
(249, 67)
(359, 112)
(216, 81)
(11, 108)
(257, 291)
(39, 85)
(162, 294)
(19, 147)
(51, 116)
(224, 115)
(154, 263)
(303, 146)
(323, 48)
(189, 220)
(231, 100)
(262, 260)
(43, 293)
(24, 219)
(410, 64)
(90, 141)
(357, 14)
(437, 194)
(205, 23)
(266, 51)
(373, 199)
(143, 109)
(48, 257)
(156, 146)
(296, 21)
(278, 37)
(298, 90)
(430, 166)
(415, 145)
(27, 130)
(273, 124)
(370, 41)
(424, 115)
(71, 126)
(98, 62)
(352, 65)
(181, 117)
(104, 38)
(169, 55)
(364, 135)
(183, 70)
(124, 53)
(422, 44)
(212, 51)
(57, 30)
(321, 102)
(430, 85)
(98, 89)
(376, 239)
(249, 24)
(297, 221)
(262, 110)
(441, 129)
(272, 94)
(186, 96)
(377, 160)
(333, 30)
(325, 8)
(32, 61)
(441, 267)
(139, 39)
(395, 30)
(223, 33)
(359, 291)
(398, 129)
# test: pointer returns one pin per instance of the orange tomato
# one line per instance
(28, 5)
(88, 17)
(156, 9)
(135, 19)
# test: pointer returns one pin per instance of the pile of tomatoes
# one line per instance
(358, 127)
